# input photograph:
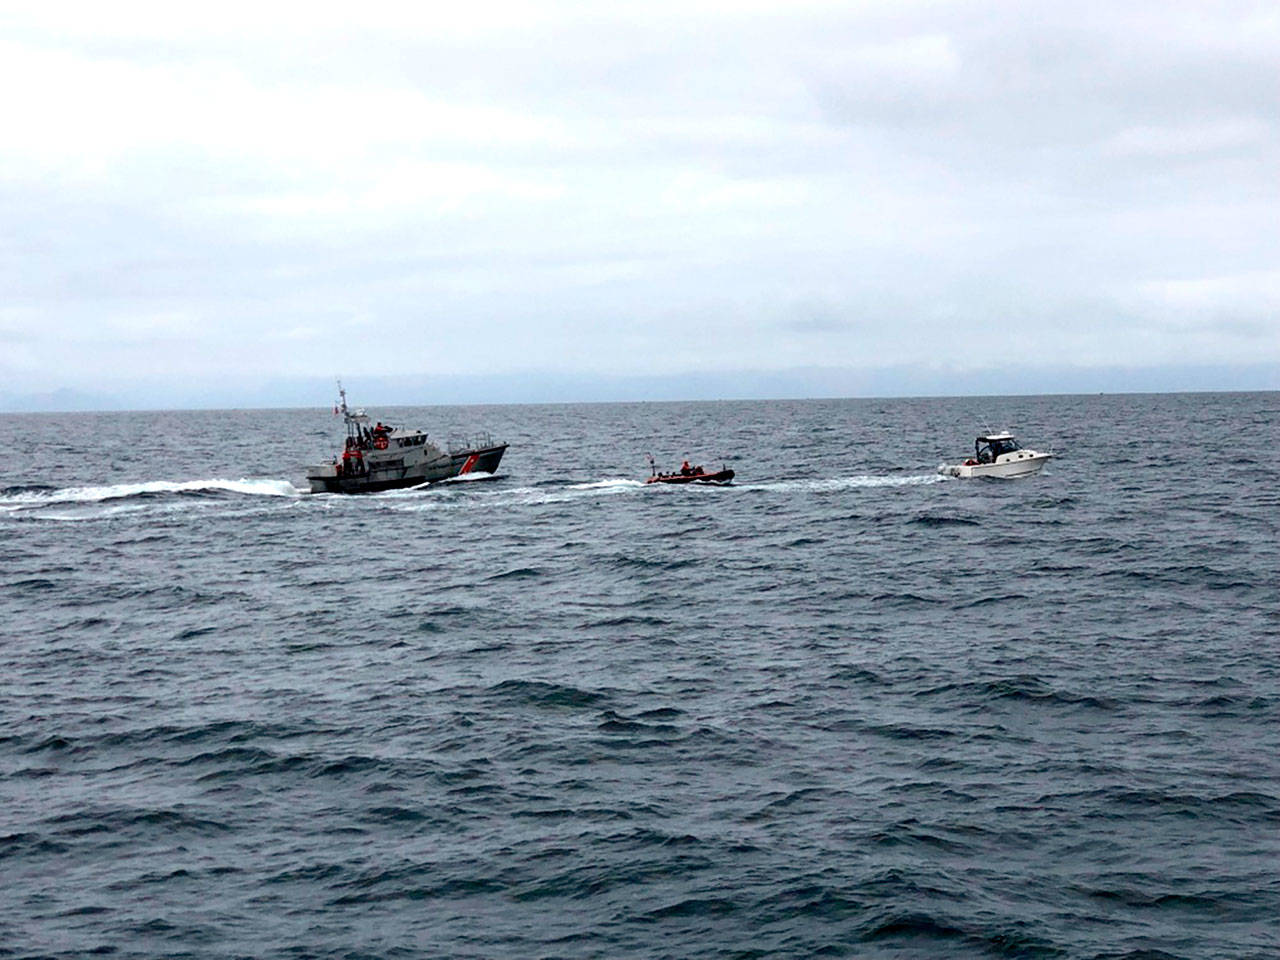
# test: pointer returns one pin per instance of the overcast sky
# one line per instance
(253, 192)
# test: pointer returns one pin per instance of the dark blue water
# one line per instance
(843, 708)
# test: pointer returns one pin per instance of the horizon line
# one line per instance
(664, 400)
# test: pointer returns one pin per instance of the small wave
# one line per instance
(1240, 803)
(907, 731)
(927, 520)
(352, 763)
(1028, 689)
(811, 901)
(621, 725)
(613, 722)
(54, 742)
(903, 599)
(788, 804)
(992, 600)
(646, 563)
(29, 844)
(858, 675)
(1146, 901)
(243, 756)
(1016, 939)
(119, 820)
(517, 573)
(400, 884)
(628, 620)
(664, 713)
(916, 925)
(913, 833)
(33, 585)
(544, 694)
(693, 907)
(394, 814)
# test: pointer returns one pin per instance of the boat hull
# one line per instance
(327, 479)
(718, 479)
(1024, 463)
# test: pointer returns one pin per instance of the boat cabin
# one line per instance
(988, 448)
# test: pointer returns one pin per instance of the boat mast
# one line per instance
(347, 419)
(342, 395)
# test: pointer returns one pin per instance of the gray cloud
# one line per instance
(199, 196)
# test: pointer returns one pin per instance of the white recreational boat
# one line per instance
(997, 455)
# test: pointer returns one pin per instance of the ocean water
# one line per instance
(842, 708)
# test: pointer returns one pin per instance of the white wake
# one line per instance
(835, 484)
(116, 491)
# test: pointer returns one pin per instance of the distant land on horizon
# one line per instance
(547, 387)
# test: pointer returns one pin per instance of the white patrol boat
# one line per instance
(997, 455)
(382, 457)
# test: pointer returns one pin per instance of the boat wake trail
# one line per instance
(42, 501)
(836, 484)
(810, 485)
(19, 498)
(612, 486)
(616, 483)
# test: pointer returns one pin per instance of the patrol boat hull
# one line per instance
(393, 474)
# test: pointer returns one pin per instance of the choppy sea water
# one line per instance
(842, 708)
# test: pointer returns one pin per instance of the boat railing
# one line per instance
(479, 441)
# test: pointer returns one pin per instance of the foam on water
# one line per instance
(488, 498)
(834, 484)
(612, 483)
(43, 498)
(97, 494)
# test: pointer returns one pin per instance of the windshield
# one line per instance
(988, 450)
